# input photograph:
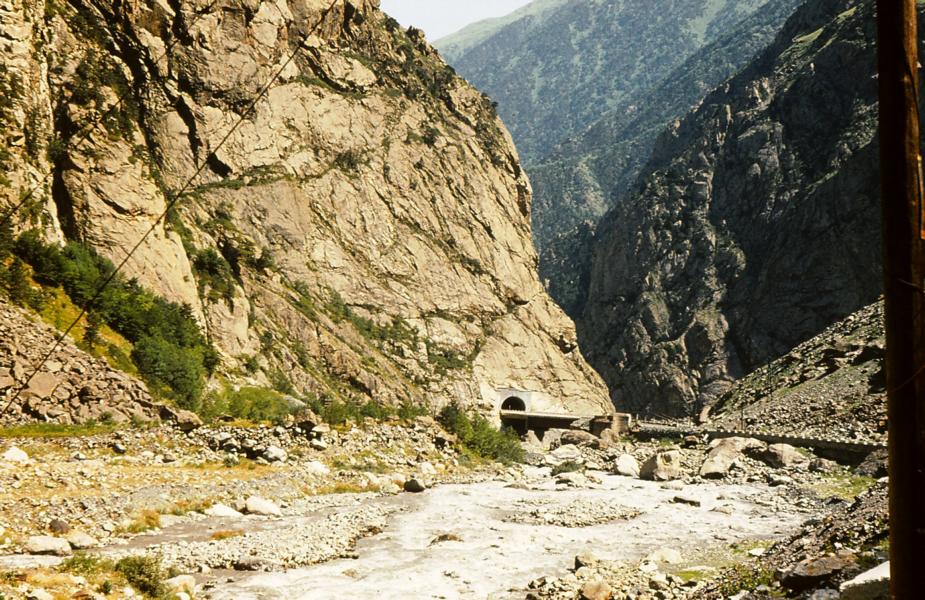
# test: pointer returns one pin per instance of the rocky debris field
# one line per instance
(71, 387)
(646, 519)
(825, 556)
(831, 386)
(112, 485)
(579, 513)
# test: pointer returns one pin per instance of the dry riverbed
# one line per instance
(328, 518)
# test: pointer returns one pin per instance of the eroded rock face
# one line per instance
(753, 227)
(370, 216)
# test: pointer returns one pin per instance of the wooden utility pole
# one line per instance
(904, 272)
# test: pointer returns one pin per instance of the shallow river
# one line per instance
(488, 556)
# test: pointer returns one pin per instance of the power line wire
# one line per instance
(170, 204)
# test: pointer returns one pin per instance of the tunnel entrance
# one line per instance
(517, 423)
(514, 403)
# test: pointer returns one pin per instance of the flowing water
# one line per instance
(482, 554)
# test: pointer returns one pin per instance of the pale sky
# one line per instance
(442, 17)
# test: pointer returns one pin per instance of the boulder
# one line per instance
(813, 572)
(275, 454)
(255, 505)
(81, 541)
(573, 479)
(662, 466)
(307, 420)
(577, 437)
(870, 585)
(15, 455)
(181, 584)
(875, 465)
(586, 559)
(665, 555)
(46, 544)
(596, 590)
(187, 421)
(58, 526)
(778, 456)
(563, 454)
(626, 465)
(415, 485)
(688, 500)
(723, 453)
(823, 465)
(316, 467)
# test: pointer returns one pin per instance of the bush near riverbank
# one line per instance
(479, 437)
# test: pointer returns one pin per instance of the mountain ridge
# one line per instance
(692, 282)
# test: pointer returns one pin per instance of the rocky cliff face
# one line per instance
(754, 226)
(579, 180)
(364, 232)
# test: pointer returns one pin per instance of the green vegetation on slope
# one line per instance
(169, 350)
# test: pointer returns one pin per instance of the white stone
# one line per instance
(221, 510)
(15, 455)
(316, 467)
(182, 584)
(275, 454)
(870, 585)
(256, 505)
(626, 465)
(665, 555)
(46, 544)
(81, 541)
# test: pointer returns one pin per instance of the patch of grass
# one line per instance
(56, 430)
(86, 565)
(147, 520)
(186, 506)
(479, 437)
(59, 311)
(845, 486)
(341, 487)
(226, 534)
(748, 577)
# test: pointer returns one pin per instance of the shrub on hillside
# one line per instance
(170, 352)
(248, 403)
(339, 413)
(480, 437)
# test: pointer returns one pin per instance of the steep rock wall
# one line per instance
(362, 233)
